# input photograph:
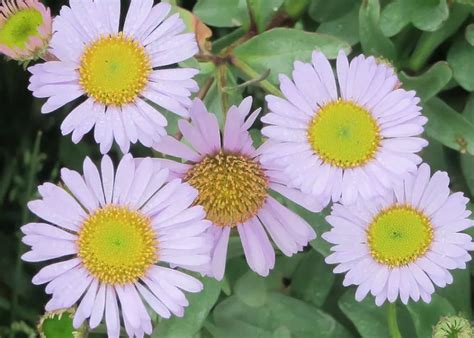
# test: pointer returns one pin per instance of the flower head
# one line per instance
(402, 243)
(59, 324)
(234, 188)
(453, 327)
(122, 72)
(347, 141)
(25, 29)
(113, 234)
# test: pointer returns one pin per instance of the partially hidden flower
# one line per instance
(234, 188)
(121, 73)
(453, 327)
(111, 234)
(399, 245)
(58, 324)
(347, 140)
(25, 29)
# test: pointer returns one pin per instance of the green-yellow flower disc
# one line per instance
(399, 235)
(114, 69)
(117, 245)
(344, 134)
(19, 27)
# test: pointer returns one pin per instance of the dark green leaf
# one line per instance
(263, 11)
(429, 83)
(301, 319)
(459, 293)
(394, 17)
(425, 316)
(461, 60)
(369, 319)
(448, 126)
(232, 328)
(470, 34)
(278, 48)
(312, 280)
(251, 289)
(195, 314)
(323, 10)
(372, 39)
(345, 28)
(228, 13)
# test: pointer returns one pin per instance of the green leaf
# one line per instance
(448, 126)
(428, 15)
(228, 13)
(301, 319)
(323, 10)
(369, 319)
(459, 293)
(195, 314)
(425, 316)
(372, 39)
(429, 83)
(312, 280)
(263, 11)
(460, 58)
(251, 289)
(278, 48)
(345, 28)
(434, 155)
(467, 161)
(470, 34)
(232, 328)
(393, 18)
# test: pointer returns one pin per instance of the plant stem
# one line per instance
(252, 74)
(392, 321)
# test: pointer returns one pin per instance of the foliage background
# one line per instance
(431, 44)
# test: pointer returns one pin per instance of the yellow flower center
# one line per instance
(19, 27)
(232, 188)
(117, 245)
(399, 235)
(114, 69)
(344, 134)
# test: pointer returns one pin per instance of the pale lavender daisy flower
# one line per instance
(400, 244)
(234, 188)
(118, 71)
(350, 140)
(111, 234)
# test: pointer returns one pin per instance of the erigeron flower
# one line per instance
(234, 188)
(111, 234)
(121, 73)
(401, 244)
(350, 140)
(25, 29)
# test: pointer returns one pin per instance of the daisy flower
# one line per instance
(234, 188)
(347, 141)
(121, 73)
(110, 235)
(25, 29)
(401, 244)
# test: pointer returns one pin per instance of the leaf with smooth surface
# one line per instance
(429, 83)
(195, 314)
(263, 11)
(324, 10)
(461, 60)
(218, 13)
(312, 280)
(470, 34)
(448, 126)
(345, 28)
(278, 48)
(251, 289)
(372, 39)
(425, 316)
(301, 319)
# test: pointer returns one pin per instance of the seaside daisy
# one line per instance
(120, 73)
(25, 29)
(402, 243)
(234, 188)
(350, 140)
(111, 235)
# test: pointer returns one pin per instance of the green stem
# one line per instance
(252, 74)
(33, 169)
(392, 321)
